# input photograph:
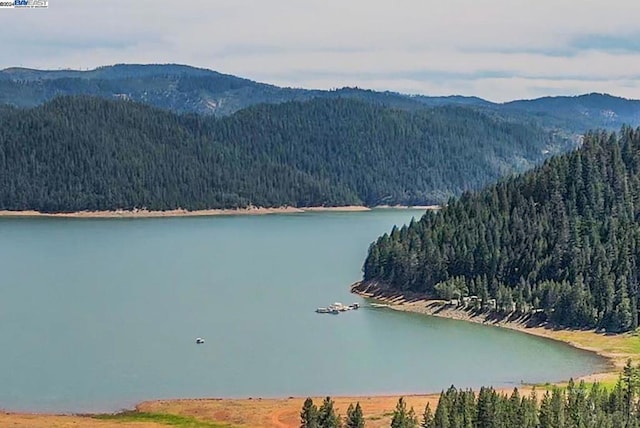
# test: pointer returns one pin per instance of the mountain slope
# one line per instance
(582, 112)
(563, 238)
(83, 153)
(183, 88)
(174, 87)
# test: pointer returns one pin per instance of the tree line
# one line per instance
(561, 241)
(84, 153)
(574, 406)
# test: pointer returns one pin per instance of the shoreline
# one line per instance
(284, 412)
(614, 349)
(142, 213)
(225, 412)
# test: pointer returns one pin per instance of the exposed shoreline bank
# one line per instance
(227, 412)
(614, 349)
(140, 213)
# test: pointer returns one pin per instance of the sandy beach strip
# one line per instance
(143, 213)
(413, 207)
(177, 212)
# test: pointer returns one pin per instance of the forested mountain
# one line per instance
(182, 88)
(563, 239)
(84, 153)
(580, 112)
(174, 87)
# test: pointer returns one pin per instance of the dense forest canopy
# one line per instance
(563, 239)
(84, 153)
(575, 406)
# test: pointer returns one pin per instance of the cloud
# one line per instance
(498, 49)
(610, 43)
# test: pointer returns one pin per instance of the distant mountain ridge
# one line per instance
(182, 88)
(588, 110)
(110, 72)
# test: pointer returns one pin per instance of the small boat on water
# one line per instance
(199, 340)
(336, 308)
(339, 307)
(329, 310)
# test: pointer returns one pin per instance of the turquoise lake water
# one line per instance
(98, 314)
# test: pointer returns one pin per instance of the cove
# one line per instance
(98, 314)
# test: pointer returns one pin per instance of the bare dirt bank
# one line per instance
(285, 412)
(141, 213)
(248, 412)
(616, 349)
(26, 420)
(178, 212)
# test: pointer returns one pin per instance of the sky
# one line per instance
(496, 49)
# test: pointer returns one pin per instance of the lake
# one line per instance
(98, 314)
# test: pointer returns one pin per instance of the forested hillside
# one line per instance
(83, 153)
(563, 239)
(389, 156)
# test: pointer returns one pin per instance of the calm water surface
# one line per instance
(96, 315)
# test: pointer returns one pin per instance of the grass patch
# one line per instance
(160, 418)
(625, 345)
(608, 384)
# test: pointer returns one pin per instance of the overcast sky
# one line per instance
(499, 50)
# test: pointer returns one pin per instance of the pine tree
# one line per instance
(529, 410)
(427, 418)
(309, 414)
(617, 399)
(441, 418)
(403, 418)
(355, 418)
(557, 408)
(546, 412)
(327, 417)
(486, 407)
(466, 406)
(631, 382)
(516, 418)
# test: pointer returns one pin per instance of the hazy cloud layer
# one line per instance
(491, 48)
